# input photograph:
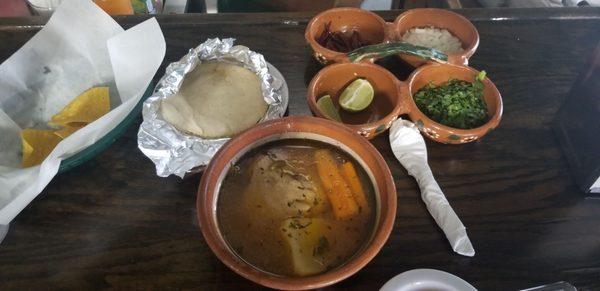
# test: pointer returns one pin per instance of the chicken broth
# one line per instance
(296, 207)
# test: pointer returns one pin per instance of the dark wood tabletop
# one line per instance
(112, 223)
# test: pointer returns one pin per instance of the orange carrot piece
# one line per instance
(342, 202)
(349, 174)
(340, 196)
(326, 168)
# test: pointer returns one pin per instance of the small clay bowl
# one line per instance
(305, 127)
(371, 28)
(394, 98)
(456, 24)
(438, 74)
(376, 118)
(375, 30)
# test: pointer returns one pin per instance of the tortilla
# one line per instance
(216, 100)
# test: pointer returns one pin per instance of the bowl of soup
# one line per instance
(296, 203)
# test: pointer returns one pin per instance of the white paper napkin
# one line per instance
(409, 148)
(80, 47)
(3, 231)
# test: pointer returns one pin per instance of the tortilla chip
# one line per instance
(37, 145)
(87, 107)
(69, 129)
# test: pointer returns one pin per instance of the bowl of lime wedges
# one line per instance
(362, 96)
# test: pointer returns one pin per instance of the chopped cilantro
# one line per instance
(456, 103)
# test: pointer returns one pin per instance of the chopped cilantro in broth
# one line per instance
(275, 214)
(456, 103)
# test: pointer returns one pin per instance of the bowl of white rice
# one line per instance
(441, 29)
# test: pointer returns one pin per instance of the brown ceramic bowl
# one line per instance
(296, 127)
(375, 30)
(440, 73)
(376, 118)
(394, 98)
(397, 95)
(456, 24)
(369, 25)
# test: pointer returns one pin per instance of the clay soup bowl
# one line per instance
(311, 128)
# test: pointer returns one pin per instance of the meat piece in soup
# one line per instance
(281, 189)
(296, 207)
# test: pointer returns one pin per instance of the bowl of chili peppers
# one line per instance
(335, 32)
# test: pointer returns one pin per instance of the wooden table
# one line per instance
(112, 223)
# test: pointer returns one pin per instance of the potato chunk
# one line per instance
(310, 241)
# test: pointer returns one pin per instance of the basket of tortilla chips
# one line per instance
(67, 94)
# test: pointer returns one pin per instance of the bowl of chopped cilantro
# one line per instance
(453, 104)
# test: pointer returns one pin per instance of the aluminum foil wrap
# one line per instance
(174, 152)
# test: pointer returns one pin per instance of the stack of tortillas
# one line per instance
(216, 100)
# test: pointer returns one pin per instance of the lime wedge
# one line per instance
(325, 104)
(357, 96)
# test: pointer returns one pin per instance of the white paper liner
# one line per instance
(80, 47)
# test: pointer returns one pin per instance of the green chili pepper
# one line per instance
(387, 49)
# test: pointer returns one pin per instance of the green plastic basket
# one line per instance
(104, 142)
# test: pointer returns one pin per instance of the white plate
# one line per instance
(427, 280)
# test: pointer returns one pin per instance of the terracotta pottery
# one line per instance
(440, 73)
(374, 29)
(287, 128)
(456, 24)
(371, 28)
(376, 118)
(394, 98)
